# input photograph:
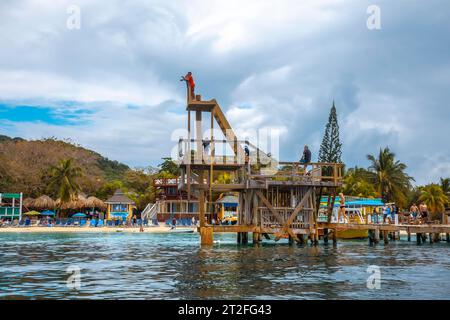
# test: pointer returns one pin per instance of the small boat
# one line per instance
(181, 230)
(357, 211)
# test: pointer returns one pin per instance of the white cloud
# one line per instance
(277, 64)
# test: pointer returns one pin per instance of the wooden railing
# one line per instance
(296, 171)
(302, 221)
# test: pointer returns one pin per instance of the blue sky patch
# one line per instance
(50, 115)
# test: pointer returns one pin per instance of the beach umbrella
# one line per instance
(31, 213)
(44, 202)
(93, 202)
(79, 215)
(47, 213)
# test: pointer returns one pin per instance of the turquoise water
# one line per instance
(173, 266)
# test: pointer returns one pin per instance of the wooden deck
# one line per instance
(328, 230)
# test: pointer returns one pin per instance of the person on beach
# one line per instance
(174, 223)
(341, 211)
(191, 84)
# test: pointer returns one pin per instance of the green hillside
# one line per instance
(24, 165)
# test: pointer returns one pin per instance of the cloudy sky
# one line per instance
(112, 85)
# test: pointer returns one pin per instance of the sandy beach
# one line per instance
(38, 229)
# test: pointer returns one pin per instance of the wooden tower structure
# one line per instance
(275, 198)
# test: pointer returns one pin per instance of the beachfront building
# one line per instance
(11, 206)
(119, 206)
(172, 202)
(227, 208)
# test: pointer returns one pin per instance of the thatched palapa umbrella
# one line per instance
(78, 202)
(93, 202)
(44, 202)
(28, 202)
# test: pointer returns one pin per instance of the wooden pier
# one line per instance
(276, 199)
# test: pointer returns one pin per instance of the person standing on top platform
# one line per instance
(190, 81)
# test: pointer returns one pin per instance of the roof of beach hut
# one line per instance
(228, 200)
(44, 202)
(28, 202)
(119, 198)
(78, 202)
(81, 201)
(94, 202)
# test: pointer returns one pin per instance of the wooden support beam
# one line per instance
(206, 235)
(385, 237)
(269, 206)
(286, 225)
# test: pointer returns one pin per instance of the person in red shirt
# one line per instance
(190, 81)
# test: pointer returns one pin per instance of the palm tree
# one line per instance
(63, 180)
(435, 198)
(389, 176)
(445, 186)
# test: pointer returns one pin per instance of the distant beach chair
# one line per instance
(100, 223)
(146, 222)
(21, 223)
(92, 223)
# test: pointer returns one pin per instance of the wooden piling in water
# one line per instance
(385, 237)
(377, 236)
(244, 237)
(418, 238)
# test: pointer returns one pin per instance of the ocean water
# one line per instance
(174, 266)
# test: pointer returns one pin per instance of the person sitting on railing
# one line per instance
(306, 158)
(414, 210)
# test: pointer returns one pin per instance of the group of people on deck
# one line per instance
(419, 212)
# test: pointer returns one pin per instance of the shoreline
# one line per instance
(163, 229)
